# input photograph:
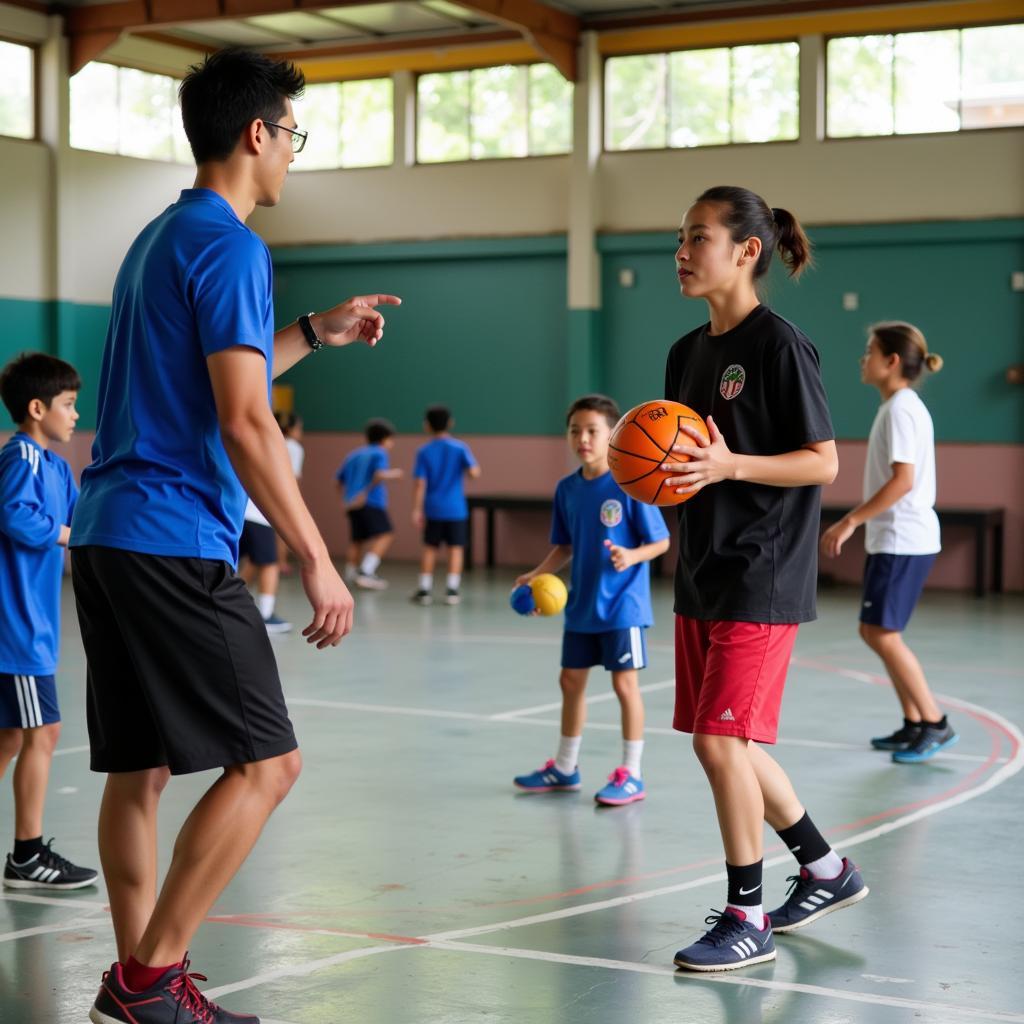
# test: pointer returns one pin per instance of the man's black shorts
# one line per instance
(368, 522)
(258, 543)
(452, 532)
(180, 668)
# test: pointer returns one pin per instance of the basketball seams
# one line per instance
(635, 455)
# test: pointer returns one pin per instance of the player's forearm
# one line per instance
(419, 495)
(557, 558)
(802, 468)
(884, 498)
(647, 552)
(290, 346)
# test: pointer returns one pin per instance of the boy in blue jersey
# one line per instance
(439, 503)
(610, 538)
(37, 497)
(362, 480)
(181, 673)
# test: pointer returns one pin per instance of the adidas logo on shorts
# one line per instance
(726, 716)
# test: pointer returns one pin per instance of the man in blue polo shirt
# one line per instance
(181, 674)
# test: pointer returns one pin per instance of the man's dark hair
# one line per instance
(439, 418)
(35, 375)
(595, 403)
(221, 96)
(379, 430)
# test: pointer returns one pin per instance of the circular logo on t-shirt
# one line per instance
(732, 381)
(611, 512)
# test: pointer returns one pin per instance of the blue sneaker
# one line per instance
(930, 741)
(548, 780)
(622, 788)
(810, 898)
(276, 625)
(731, 943)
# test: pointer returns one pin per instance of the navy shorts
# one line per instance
(618, 650)
(27, 702)
(452, 532)
(258, 543)
(892, 586)
(368, 522)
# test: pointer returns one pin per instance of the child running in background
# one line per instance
(901, 531)
(610, 538)
(439, 503)
(362, 479)
(37, 497)
(291, 426)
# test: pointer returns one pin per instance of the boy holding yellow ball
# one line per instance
(610, 539)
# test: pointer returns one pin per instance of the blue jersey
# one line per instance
(37, 497)
(443, 463)
(586, 514)
(195, 282)
(357, 471)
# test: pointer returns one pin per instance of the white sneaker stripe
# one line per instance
(35, 699)
(816, 900)
(40, 870)
(808, 906)
(824, 894)
(740, 951)
(751, 945)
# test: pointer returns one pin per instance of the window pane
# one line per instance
(146, 102)
(928, 81)
(16, 93)
(635, 101)
(765, 92)
(550, 111)
(993, 70)
(94, 116)
(859, 90)
(498, 124)
(319, 113)
(179, 141)
(443, 117)
(699, 106)
(367, 123)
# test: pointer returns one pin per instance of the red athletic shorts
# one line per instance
(730, 677)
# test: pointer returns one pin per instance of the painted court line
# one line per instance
(87, 923)
(53, 901)
(597, 698)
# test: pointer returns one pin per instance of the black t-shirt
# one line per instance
(749, 552)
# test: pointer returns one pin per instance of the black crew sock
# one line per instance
(26, 849)
(744, 884)
(940, 724)
(804, 841)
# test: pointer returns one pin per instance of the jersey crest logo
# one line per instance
(732, 381)
(611, 513)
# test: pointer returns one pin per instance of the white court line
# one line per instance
(597, 698)
(76, 924)
(53, 901)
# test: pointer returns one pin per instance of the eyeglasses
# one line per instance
(298, 135)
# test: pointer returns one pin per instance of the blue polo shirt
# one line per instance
(443, 463)
(37, 497)
(356, 472)
(196, 281)
(586, 514)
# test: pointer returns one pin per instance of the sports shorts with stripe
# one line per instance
(618, 650)
(27, 702)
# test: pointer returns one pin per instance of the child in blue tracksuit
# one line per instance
(37, 497)
(610, 538)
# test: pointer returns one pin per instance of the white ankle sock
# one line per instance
(454, 579)
(829, 866)
(755, 915)
(426, 581)
(632, 751)
(568, 754)
(369, 564)
(265, 603)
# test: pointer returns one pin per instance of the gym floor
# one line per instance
(404, 881)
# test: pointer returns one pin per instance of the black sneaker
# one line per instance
(422, 597)
(47, 870)
(931, 740)
(452, 596)
(174, 999)
(810, 898)
(905, 736)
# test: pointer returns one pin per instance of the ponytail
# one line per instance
(793, 244)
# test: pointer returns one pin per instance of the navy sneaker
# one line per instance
(622, 788)
(174, 999)
(548, 780)
(927, 745)
(422, 597)
(905, 736)
(810, 898)
(275, 624)
(452, 596)
(731, 943)
(46, 870)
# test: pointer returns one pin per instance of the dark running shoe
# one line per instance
(47, 870)
(927, 745)
(452, 596)
(422, 597)
(810, 898)
(174, 999)
(906, 735)
(731, 943)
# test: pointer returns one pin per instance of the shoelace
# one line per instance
(52, 859)
(548, 765)
(189, 997)
(619, 777)
(801, 884)
(725, 928)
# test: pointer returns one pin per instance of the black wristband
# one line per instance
(309, 333)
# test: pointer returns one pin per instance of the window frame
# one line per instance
(33, 48)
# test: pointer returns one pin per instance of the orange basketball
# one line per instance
(641, 442)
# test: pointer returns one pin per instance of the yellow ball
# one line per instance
(549, 593)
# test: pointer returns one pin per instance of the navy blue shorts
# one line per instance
(618, 650)
(452, 532)
(892, 586)
(368, 522)
(258, 543)
(27, 702)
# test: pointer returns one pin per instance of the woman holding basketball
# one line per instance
(747, 567)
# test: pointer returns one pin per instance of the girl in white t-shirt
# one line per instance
(901, 531)
(291, 426)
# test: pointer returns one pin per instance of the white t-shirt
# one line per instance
(297, 454)
(902, 432)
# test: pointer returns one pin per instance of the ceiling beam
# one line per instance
(396, 45)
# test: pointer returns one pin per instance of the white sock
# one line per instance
(369, 564)
(755, 915)
(351, 572)
(632, 751)
(265, 603)
(454, 579)
(427, 581)
(568, 754)
(829, 866)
